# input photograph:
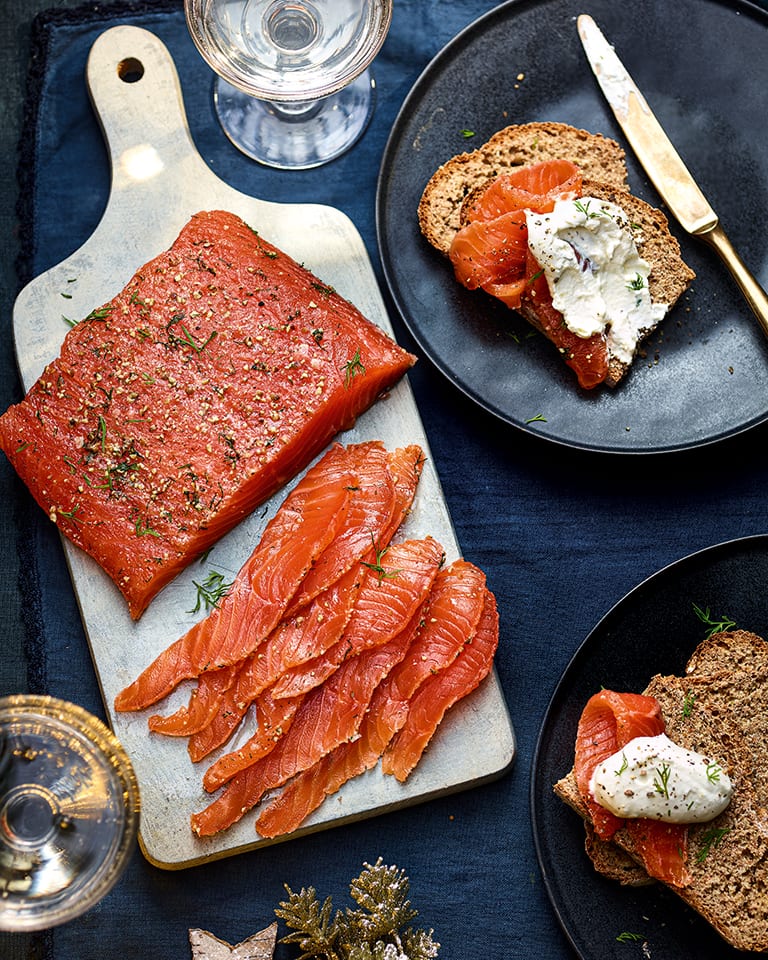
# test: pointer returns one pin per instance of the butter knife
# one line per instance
(669, 175)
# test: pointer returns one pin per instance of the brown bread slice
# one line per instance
(602, 163)
(521, 145)
(722, 714)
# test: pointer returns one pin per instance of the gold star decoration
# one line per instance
(261, 946)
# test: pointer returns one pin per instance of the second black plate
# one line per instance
(699, 63)
(654, 629)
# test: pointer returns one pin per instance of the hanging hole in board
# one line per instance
(130, 70)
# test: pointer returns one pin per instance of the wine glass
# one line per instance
(293, 89)
(69, 811)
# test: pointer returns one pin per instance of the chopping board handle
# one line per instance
(136, 94)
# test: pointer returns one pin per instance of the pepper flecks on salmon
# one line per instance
(327, 717)
(303, 526)
(438, 693)
(218, 372)
(490, 252)
(608, 722)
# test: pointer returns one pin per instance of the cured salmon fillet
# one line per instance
(438, 693)
(303, 526)
(607, 723)
(219, 371)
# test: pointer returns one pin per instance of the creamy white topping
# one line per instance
(653, 777)
(597, 278)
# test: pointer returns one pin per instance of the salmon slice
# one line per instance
(438, 693)
(586, 356)
(308, 634)
(486, 252)
(203, 704)
(405, 465)
(371, 503)
(303, 526)
(450, 619)
(217, 374)
(379, 501)
(533, 188)
(392, 590)
(274, 719)
(306, 791)
(394, 585)
(328, 716)
(306, 676)
(607, 723)
(490, 252)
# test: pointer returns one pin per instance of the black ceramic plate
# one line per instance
(654, 629)
(703, 66)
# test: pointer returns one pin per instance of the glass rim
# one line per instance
(242, 80)
(95, 731)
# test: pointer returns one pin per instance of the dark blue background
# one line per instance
(561, 535)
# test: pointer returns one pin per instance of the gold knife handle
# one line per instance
(753, 293)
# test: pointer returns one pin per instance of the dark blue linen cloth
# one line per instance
(562, 536)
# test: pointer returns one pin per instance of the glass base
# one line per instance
(295, 136)
(69, 811)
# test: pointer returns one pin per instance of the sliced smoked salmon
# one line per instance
(372, 501)
(219, 371)
(450, 619)
(607, 723)
(203, 704)
(535, 188)
(302, 638)
(306, 791)
(303, 526)
(438, 693)
(328, 716)
(395, 583)
(490, 252)
(273, 721)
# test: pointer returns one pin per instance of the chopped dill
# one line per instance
(709, 840)
(352, 368)
(211, 591)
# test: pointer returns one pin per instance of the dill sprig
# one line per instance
(710, 839)
(211, 591)
(715, 626)
(379, 928)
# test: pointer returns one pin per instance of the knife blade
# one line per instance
(672, 179)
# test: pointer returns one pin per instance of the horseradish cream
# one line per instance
(653, 777)
(597, 278)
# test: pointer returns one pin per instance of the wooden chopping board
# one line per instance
(158, 182)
